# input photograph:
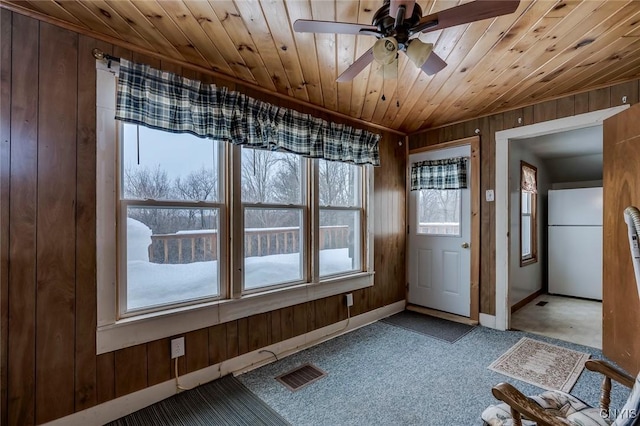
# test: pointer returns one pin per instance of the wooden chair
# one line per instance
(542, 411)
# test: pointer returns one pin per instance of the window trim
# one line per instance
(114, 333)
(533, 238)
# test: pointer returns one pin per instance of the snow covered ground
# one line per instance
(150, 284)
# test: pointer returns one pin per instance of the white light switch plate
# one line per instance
(490, 195)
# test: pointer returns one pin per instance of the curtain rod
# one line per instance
(100, 55)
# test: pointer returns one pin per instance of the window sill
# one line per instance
(146, 328)
(528, 262)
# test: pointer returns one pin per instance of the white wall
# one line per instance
(526, 280)
(577, 168)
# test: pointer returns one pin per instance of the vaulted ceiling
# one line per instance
(542, 51)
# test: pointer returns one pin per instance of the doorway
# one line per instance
(502, 198)
(443, 243)
(555, 265)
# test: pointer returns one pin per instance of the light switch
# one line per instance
(490, 195)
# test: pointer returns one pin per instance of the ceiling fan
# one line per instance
(397, 25)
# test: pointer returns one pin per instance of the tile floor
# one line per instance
(565, 318)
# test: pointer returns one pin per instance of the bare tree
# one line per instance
(270, 177)
(146, 183)
(199, 185)
(337, 186)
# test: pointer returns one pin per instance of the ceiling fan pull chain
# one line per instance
(383, 70)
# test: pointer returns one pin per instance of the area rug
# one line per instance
(439, 328)
(541, 364)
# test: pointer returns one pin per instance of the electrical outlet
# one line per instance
(177, 347)
(349, 299)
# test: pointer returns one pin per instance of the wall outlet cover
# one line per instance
(177, 347)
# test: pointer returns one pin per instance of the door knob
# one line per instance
(465, 245)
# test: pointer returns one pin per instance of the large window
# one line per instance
(528, 213)
(178, 227)
(195, 232)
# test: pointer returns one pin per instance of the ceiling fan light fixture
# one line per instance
(419, 51)
(385, 50)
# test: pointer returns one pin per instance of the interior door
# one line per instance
(621, 187)
(440, 241)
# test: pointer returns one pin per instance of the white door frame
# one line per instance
(503, 310)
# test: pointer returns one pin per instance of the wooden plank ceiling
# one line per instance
(544, 50)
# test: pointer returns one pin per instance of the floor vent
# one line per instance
(541, 303)
(300, 377)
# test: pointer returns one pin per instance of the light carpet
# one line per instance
(541, 364)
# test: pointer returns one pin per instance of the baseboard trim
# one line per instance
(487, 320)
(119, 407)
(525, 301)
(440, 314)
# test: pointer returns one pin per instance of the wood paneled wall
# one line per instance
(488, 126)
(621, 306)
(48, 258)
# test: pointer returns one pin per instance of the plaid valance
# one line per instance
(166, 101)
(450, 173)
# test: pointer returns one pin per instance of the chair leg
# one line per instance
(605, 397)
(517, 420)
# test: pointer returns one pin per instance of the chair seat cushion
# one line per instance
(567, 408)
(629, 415)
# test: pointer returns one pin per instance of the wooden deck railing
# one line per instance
(439, 228)
(199, 246)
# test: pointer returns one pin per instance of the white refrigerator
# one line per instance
(575, 242)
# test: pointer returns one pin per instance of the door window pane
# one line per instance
(159, 165)
(439, 211)
(340, 184)
(340, 241)
(271, 177)
(171, 254)
(273, 247)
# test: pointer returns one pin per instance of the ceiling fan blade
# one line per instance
(356, 67)
(465, 13)
(309, 26)
(395, 4)
(433, 64)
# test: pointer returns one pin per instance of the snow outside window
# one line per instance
(171, 206)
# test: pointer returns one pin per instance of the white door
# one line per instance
(439, 242)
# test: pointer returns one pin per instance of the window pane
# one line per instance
(526, 202)
(340, 241)
(439, 211)
(169, 166)
(271, 177)
(273, 244)
(526, 236)
(172, 255)
(339, 184)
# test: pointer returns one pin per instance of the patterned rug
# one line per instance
(541, 364)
